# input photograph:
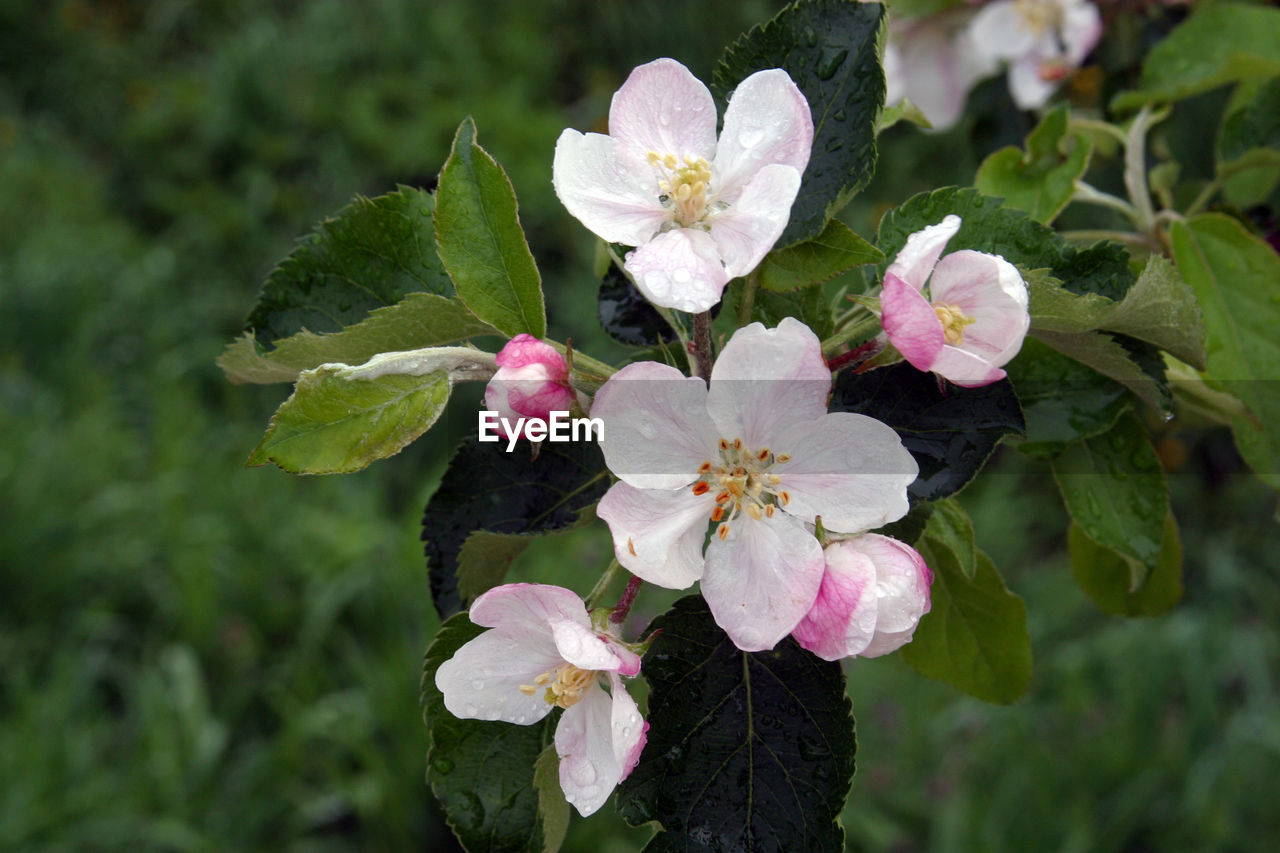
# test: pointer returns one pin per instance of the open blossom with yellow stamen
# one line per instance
(754, 459)
(1044, 41)
(699, 210)
(543, 652)
(972, 322)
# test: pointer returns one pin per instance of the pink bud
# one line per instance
(531, 382)
(874, 591)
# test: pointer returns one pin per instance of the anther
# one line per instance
(783, 457)
(701, 487)
(785, 497)
(768, 510)
(737, 444)
(717, 514)
(723, 532)
(763, 454)
(753, 510)
(704, 468)
(723, 497)
(631, 546)
(724, 445)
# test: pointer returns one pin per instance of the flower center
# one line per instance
(683, 183)
(1038, 15)
(565, 684)
(953, 322)
(744, 482)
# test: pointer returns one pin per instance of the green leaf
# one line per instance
(371, 254)
(1220, 44)
(1062, 399)
(829, 49)
(1249, 146)
(809, 306)
(1107, 577)
(949, 526)
(486, 488)
(627, 316)
(974, 636)
(1234, 275)
(335, 424)
(836, 250)
(418, 320)
(950, 434)
(1115, 357)
(904, 110)
(1114, 490)
(746, 751)
(553, 808)
(1159, 309)
(1042, 179)
(486, 774)
(485, 558)
(481, 243)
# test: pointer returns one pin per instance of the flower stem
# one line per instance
(853, 355)
(1089, 195)
(623, 607)
(602, 585)
(702, 344)
(854, 332)
(748, 298)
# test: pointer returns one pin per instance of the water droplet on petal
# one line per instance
(478, 684)
(681, 276)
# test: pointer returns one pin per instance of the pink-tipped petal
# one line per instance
(663, 108)
(628, 661)
(607, 188)
(990, 290)
(482, 680)
(767, 378)
(850, 469)
(656, 429)
(762, 579)
(629, 728)
(902, 580)
(524, 350)
(746, 232)
(920, 253)
(580, 646)
(589, 770)
(966, 369)
(679, 269)
(767, 121)
(843, 617)
(658, 535)
(910, 322)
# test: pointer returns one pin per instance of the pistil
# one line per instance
(683, 185)
(744, 482)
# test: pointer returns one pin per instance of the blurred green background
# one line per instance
(199, 656)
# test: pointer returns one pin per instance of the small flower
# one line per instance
(532, 381)
(978, 316)
(700, 211)
(874, 591)
(759, 457)
(931, 61)
(1044, 41)
(543, 653)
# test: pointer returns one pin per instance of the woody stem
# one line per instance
(702, 344)
(623, 607)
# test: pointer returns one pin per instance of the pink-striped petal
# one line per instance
(910, 322)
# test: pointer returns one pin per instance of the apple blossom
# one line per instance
(874, 591)
(1044, 41)
(700, 211)
(532, 381)
(756, 454)
(972, 322)
(542, 652)
(930, 60)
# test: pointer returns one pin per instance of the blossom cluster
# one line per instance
(740, 481)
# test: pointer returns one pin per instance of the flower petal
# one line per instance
(920, 253)
(842, 620)
(765, 378)
(663, 108)
(990, 290)
(1081, 29)
(966, 369)
(745, 232)
(1000, 31)
(936, 71)
(901, 576)
(679, 269)
(762, 579)
(580, 646)
(658, 535)
(629, 729)
(589, 769)
(850, 469)
(656, 428)
(607, 188)
(767, 121)
(482, 680)
(1028, 86)
(525, 611)
(910, 322)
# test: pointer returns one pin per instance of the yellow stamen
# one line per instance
(953, 322)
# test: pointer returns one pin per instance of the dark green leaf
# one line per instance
(482, 772)
(911, 526)
(626, 315)
(809, 306)
(746, 751)
(371, 254)
(1042, 179)
(1234, 275)
(418, 320)
(974, 636)
(829, 49)
(1221, 43)
(950, 433)
(481, 242)
(1062, 400)
(1107, 577)
(835, 250)
(486, 488)
(1255, 125)
(1135, 365)
(1115, 491)
(949, 526)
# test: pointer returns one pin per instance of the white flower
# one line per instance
(759, 457)
(931, 61)
(1044, 41)
(542, 653)
(874, 591)
(700, 211)
(972, 322)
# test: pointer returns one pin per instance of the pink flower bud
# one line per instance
(531, 382)
(874, 591)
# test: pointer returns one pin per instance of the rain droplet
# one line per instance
(835, 143)
(810, 37)
(830, 62)
(681, 276)
(470, 710)
(442, 765)
(750, 137)
(478, 684)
